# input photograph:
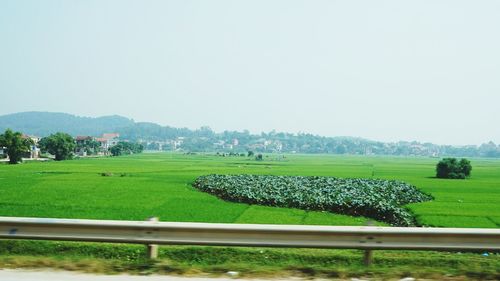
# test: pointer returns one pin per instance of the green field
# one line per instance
(160, 185)
(137, 187)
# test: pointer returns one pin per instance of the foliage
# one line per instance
(61, 145)
(375, 198)
(116, 150)
(16, 145)
(90, 146)
(123, 147)
(451, 168)
(259, 157)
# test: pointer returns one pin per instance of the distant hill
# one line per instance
(45, 123)
(157, 137)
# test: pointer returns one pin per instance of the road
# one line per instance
(32, 275)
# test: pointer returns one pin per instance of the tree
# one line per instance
(123, 147)
(61, 145)
(16, 145)
(90, 146)
(93, 147)
(451, 168)
(258, 157)
(116, 150)
(250, 153)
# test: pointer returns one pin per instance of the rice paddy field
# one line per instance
(137, 187)
(160, 184)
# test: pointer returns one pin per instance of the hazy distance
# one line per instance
(383, 70)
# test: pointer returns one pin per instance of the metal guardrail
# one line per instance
(251, 235)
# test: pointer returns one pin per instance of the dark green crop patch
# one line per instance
(379, 199)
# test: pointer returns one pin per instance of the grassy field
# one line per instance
(160, 185)
(137, 187)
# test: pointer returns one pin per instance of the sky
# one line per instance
(383, 70)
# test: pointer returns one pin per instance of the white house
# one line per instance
(34, 152)
(108, 140)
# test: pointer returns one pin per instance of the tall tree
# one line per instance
(61, 145)
(16, 145)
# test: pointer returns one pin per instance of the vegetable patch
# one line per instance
(379, 199)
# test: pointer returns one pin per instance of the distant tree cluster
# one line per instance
(451, 168)
(156, 137)
(224, 154)
(123, 148)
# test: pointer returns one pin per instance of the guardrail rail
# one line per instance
(153, 232)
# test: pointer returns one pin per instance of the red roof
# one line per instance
(110, 136)
(80, 138)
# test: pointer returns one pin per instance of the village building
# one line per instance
(82, 144)
(108, 140)
(82, 140)
(34, 152)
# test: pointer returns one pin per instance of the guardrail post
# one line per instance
(368, 258)
(368, 255)
(152, 249)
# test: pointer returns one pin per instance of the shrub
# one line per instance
(451, 168)
(375, 198)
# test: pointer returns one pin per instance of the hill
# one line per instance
(45, 123)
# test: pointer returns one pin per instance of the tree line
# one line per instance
(156, 137)
(61, 145)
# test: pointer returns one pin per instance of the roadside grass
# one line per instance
(248, 262)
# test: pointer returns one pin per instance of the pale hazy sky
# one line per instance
(384, 70)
